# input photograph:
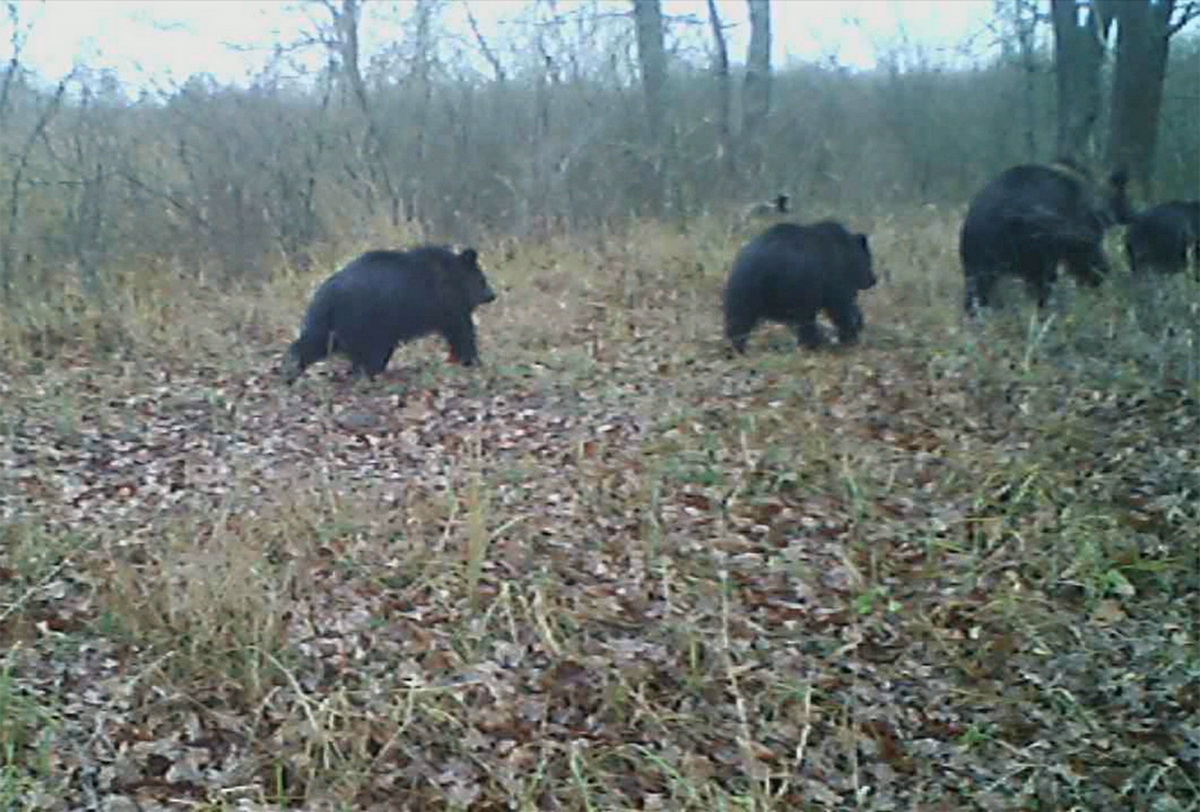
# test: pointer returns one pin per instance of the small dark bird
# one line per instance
(769, 208)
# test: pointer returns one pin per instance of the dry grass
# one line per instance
(613, 568)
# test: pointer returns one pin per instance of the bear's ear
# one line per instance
(471, 256)
(862, 241)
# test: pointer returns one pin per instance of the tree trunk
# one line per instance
(652, 58)
(10, 225)
(424, 38)
(726, 157)
(756, 91)
(1020, 20)
(484, 48)
(1143, 36)
(1079, 37)
(345, 26)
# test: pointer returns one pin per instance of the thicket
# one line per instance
(236, 182)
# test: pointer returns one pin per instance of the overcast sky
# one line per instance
(168, 40)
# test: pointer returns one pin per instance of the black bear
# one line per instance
(1030, 219)
(385, 297)
(790, 273)
(1160, 238)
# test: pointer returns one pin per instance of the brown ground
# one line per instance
(613, 568)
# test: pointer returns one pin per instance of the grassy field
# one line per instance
(952, 568)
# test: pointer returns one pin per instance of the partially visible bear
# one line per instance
(385, 297)
(1031, 218)
(1160, 238)
(790, 273)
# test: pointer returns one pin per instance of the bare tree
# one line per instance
(726, 155)
(653, 62)
(1144, 31)
(291, 162)
(1019, 22)
(756, 90)
(342, 39)
(488, 53)
(422, 75)
(18, 163)
(1080, 34)
(87, 163)
(17, 44)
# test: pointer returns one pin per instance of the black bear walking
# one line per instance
(385, 297)
(1160, 238)
(1030, 219)
(790, 273)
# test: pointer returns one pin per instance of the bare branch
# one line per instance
(484, 48)
(14, 62)
(1187, 12)
(18, 176)
(187, 210)
(724, 100)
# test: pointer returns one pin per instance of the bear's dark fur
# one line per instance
(790, 273)
(1160, 238)
(385, 297)
(1030, 219)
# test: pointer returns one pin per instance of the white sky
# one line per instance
(167, 40)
